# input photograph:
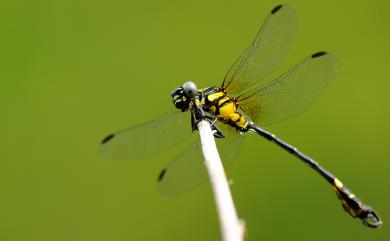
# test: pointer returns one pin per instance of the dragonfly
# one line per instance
(245, 102)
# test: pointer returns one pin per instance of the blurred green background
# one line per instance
(73, 71)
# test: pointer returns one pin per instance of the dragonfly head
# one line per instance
(182, 96)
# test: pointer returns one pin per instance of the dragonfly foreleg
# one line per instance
(198, 114)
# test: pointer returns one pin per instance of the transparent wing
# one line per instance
(267, 51)
(292, 92)
(148, 138)
(186, 171)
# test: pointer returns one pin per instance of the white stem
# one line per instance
(232, 228)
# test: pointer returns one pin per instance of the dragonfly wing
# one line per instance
(186, 171)
(148, 138)
(292, 92)
(267, 51)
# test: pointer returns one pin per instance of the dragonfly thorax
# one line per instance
(213, 101)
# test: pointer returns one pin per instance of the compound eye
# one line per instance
(190, 89)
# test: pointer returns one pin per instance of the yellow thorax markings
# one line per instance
(198, 103)
(223, 100)
(215, 96)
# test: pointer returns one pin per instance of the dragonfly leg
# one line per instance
(200, 115)
(216, 131)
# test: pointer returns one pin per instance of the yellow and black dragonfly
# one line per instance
(245, 102)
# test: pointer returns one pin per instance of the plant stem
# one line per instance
(232, 227)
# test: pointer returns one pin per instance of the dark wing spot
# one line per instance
(276, 9)
(108, 138)
(162, 174)
(318, 54)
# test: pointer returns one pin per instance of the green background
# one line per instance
(73, 71)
